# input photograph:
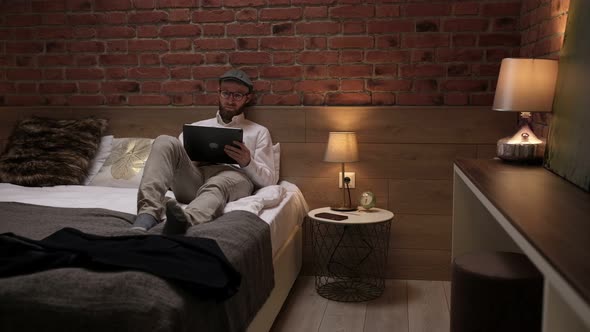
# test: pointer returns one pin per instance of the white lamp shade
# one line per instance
(526, 85)
(342, 147)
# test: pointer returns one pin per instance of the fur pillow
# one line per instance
(48, 152)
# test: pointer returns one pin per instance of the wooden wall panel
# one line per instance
(406, 158)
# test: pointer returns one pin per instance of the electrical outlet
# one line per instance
(352, 182)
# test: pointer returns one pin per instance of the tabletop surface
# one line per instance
(360, 216)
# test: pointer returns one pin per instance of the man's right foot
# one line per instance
(144, 222)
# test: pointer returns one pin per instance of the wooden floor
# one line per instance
(405, 306)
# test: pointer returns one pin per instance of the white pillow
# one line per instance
(124, 167)
(276, 152)
(104, 150)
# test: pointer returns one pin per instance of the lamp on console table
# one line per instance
(525, 86)
(342, 148)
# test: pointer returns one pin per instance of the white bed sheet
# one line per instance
(282, 218)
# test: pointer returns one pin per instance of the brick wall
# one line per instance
(301, 52)
(543, 25)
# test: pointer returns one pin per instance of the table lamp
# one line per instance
(525, 86)
(342, 148)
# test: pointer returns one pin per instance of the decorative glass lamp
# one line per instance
(342, 148)
(525, 86)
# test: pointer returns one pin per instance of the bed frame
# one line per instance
(151, 122)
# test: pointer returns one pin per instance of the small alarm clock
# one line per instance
(368, 200)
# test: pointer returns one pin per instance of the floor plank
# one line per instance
(405, 306)
(427, 307)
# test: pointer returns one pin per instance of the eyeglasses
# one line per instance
(237, 96)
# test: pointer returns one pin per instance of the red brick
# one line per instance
(393, 56)
(83, 19)
(181, 44)
(482, 99)
(78, 5)
(148, 100)
(151, 87)
(492, 69)
(55, 100)
(147, 17)
(179, 15)
(412, 40)
(23, 47)
(351, 42)
(464, 85)
(86, 60)
(24, 61)
(387, 11)
(116, 32)
(319, 57)
(547, 46)
(115, 73)
(26, 88)
(118, 59)
(246, 29)
(54, 47)
(84, 33)
(424, 85)
(505, 24)
(244, 3)
(82, 100)
(55, 60)
(426, 9)
(148, 73)
(422, 70)
(208, 72)
(84, 73)
(215, 44)
(317, 85)
(382, 98)
(281, 100)
(350, 71)
(113, 18)
(499, 39)
(180, 73)
(247, 14)
(352, 85)
(316, 72)
(280, 14)
(465, 24)
(313, 99)
(149, 59)
(147, 45)
(282, 86)
(466, 8)
(384, 42)
(282, 43)
(317, 28)
(86, 46)
(111, 5)
(213, 30)
(119, 87)
(458, 69)
(283, 58)
(180, 30)
(313, 2)
(205, 99)
(182, 100)
(53, 74)
(315, 12)
(283, 29)
(22, 20)
(501, 9)
(182, 59)
(344, 99)
(316, 42)
(23, 74)
(12, 100)
(386, 70)
(7, 88)
(461, 54)
(456, 99)
(352, 12)
(290, 72)
(144, 4)
(216, 58)
(395, 26)
(209, 16)
(88, 87)
(249, 58)
(177, 3)
(182, 86)
(389, 85)
(351, 56)
(54, 19)
(464, 40)
(420, 99)
(354, 28)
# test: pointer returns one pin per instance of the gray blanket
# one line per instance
(71, 299)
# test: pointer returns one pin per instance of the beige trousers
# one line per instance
(206, 189)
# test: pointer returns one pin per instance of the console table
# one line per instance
(528, 209)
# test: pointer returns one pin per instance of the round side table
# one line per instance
(350, 254)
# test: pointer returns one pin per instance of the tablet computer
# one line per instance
(206, 143)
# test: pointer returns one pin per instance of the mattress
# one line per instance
(282, 206)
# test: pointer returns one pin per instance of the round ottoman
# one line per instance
(495, 291)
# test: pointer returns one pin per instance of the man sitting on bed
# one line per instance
(206, 188)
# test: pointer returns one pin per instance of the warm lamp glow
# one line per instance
(524, 85)
(342, 148)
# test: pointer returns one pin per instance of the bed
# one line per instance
(266, 224)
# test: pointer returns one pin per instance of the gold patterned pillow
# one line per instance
(124, 166)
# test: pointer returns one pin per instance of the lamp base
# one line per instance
(515, 152)
(342, 208)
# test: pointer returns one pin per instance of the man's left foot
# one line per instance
(176, 220)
